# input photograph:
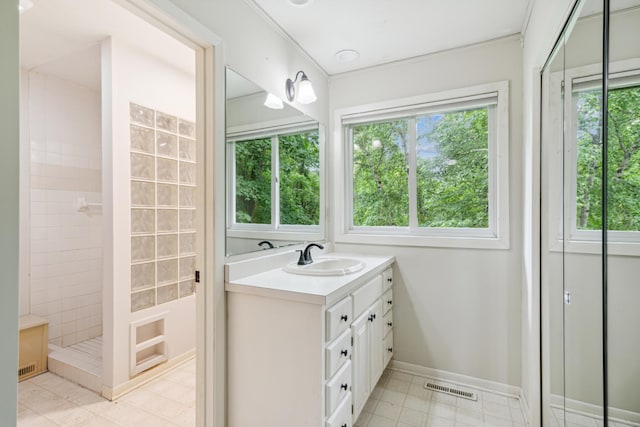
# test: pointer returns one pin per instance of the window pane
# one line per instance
(299, 179)
(589, 167)
(623, 160)
(380, 169)
(253, 181)
(453, 169)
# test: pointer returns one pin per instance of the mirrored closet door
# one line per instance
(590, 218)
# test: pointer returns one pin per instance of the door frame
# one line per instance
(210, 301)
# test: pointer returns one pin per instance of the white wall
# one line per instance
(65, 281)
(259, 52)
(9, 212)
(130, 75)
(456, 310)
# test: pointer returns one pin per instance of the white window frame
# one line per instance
(275, 230)
(496, 236)
(622, 73)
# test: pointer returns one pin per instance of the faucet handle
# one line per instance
(301, 260)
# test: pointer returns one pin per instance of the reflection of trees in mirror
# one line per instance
(299, 179)
(253, 181)
(623, 160)
(452, 175)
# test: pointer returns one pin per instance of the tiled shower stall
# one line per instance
(112, 215)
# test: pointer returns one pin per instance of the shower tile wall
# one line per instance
(163, 181)
(66, 245)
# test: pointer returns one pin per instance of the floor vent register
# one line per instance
(450, 390)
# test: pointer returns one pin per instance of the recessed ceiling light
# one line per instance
(300, 2)
(347, 55)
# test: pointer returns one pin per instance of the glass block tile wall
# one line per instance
(163, 179)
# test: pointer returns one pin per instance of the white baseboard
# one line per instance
(595, 411)
(459, 379)
(145, 377)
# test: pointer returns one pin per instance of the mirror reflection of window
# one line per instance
(273, 171)
(295, 177)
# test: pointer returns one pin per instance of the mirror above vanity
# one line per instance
(274, 171)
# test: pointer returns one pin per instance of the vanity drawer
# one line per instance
(387, 322)
(387, 279)
(387, 348)
(342, 416)
(338, 352)
(366, 295)
(338, 388)
(387, 301)
(339, 317)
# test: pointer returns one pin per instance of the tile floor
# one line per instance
(400, 400)
(50, 401)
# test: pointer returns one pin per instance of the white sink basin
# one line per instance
(326, 267)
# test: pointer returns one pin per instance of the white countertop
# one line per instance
(323, 290)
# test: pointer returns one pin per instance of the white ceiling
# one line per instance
(389, 30)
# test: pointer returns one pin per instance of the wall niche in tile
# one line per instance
(163, 179)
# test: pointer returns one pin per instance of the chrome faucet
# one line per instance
(305, 255)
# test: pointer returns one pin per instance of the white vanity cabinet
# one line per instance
(370, 330)
(303, 358)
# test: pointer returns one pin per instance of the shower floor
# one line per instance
(80, 363)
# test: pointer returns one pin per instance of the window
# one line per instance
(623, 159)
(275, 181)
(424, 171)
(577, 159)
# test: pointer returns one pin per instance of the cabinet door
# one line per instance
(375, 343)
(360, 362)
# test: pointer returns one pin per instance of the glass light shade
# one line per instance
(273, 102)
(306, 95)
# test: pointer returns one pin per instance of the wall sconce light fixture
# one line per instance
(306, 95)
(273, 102)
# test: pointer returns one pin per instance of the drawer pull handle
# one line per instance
(344, 425)
(390, 302)
(344, 317)
(389, 280)
(344, 353)
(389, 324)
(344, 386)
(372, 318)
(390, 350)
